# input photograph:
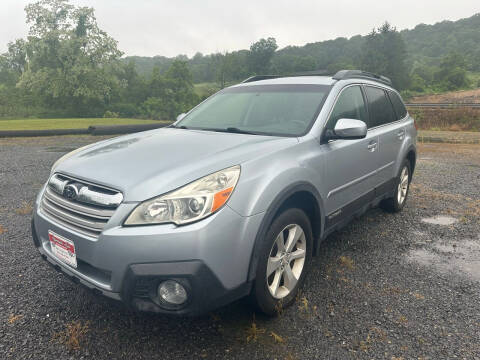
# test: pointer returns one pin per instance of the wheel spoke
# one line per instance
(297, 254)
(273, 264)
(280, 241)
(294, 234)
(289, 278)
(276, 282)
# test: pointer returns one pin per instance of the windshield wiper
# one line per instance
(236, 131)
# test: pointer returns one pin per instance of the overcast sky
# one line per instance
(172, 27)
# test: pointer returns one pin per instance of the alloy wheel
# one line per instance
(402, 186)
(286, 261)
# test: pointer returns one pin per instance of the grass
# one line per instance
(25, 209)
(74, 334)
(79, 123)
(449, 119)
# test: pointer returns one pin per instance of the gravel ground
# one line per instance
(386, 287)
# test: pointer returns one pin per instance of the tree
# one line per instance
(452, 74)
(260, 56)
(70, 59)
(16, 56)
(384, 53)
(170, 94)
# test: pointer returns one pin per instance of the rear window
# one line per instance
(381, 110)
(398, 105)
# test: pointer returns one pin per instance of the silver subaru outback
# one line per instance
(231, 200)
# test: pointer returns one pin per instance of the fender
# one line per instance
(402, 154)
(270, 214)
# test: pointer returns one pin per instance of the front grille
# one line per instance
(78, 205)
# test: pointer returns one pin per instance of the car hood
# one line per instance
(151, 163)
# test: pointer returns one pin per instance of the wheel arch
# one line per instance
(412, 158)
(407, 152)
(302, 195)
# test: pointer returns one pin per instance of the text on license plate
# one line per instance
(63, 249)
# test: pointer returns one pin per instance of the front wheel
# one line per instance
(402, 185)
(283, 262)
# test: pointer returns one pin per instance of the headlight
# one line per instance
(192, 202)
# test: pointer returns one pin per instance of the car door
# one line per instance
(350, 164)
(390, 130)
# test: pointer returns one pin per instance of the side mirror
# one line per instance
(348, 129)
(181, 116)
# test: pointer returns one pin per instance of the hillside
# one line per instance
(425, 44)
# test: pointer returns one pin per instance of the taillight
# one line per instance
(415, 124)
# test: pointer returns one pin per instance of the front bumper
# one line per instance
(210, 258)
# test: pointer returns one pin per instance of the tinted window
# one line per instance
(350, 105)
(398, 105)
(263, 109)
(381, 110)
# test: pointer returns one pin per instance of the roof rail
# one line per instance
(359, 74)
(303, 73)
(260, 77)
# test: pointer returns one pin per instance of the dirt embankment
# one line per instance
(463, 96)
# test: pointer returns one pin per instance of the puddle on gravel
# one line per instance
(440, 220)
(59, 149)
(460, 257)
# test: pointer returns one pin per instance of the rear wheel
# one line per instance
(402, 185)
(284, 259)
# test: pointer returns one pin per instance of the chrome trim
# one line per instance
(68, 226)
(94, 226)
(86, 195)
(385, 166)
(88, 213)
(56, 184)
(351, 183)
(78, 208)
(95, 198)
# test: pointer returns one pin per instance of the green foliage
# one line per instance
(68, 66)
(421, 53)
(261, 54)
(69, 59)
(111, 114)
(452, 73)
(384, 53)
(66, 123)
(171, 94)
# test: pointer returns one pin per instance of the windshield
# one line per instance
(284, 110)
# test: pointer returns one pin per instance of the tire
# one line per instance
(272, 293)
(402, 187)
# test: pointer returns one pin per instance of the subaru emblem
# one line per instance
(70, 192)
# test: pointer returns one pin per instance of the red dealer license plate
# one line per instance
(63, 249)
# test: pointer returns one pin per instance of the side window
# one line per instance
(381, 110)
(398, 105)
(349, 105)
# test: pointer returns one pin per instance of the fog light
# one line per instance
(172, 292)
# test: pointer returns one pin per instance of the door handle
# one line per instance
(401, 134)
(372, 146)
